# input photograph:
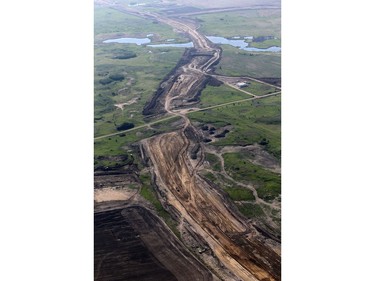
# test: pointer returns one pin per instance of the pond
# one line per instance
(241, 44)
(138, 41)
(177, 45)
(142, 41)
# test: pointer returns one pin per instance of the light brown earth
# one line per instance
(110, 194)
(232, 241)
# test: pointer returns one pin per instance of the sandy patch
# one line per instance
(121, 105)
(109, 194)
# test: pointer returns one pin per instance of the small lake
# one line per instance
(142, 41)
(241, 44)
(138, 41)
(178, 45)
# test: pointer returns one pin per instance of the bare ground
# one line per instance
(208, 213)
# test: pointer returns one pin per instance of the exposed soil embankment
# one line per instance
(184, 83)
(239, 248)
(156, 104)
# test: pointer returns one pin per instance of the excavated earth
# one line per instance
(238, 245)
(184, 84)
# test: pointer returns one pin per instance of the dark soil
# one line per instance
(120, 254)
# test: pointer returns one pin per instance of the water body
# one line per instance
(178, 45)
(138, 41)
(142, 41)
(241, 44)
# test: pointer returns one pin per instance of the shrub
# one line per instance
(105, 81)
(117, 77)
(123, 54)
(125, 126)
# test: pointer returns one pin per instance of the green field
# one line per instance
(218, 95)
(240, 194)
(236, 62)
(266, 44)
(142, 76)
(241, 23)
(109, 23)
(252, 122)
(259, 89)
(214, 161)
(114, 145)
(234, 191)
(268, 183)
(251, 210)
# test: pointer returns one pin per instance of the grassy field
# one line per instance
(142, 68)
(214, 161)
(259, 89)
(252, 122)
(268, 183)
(234, 191)
(251, 210)
(142, 76)
(242, 197)
(212, 95)
(266, 44)
(109, 23)
(241, 23)
(239, 194)
(236, 62)
(114, 145)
